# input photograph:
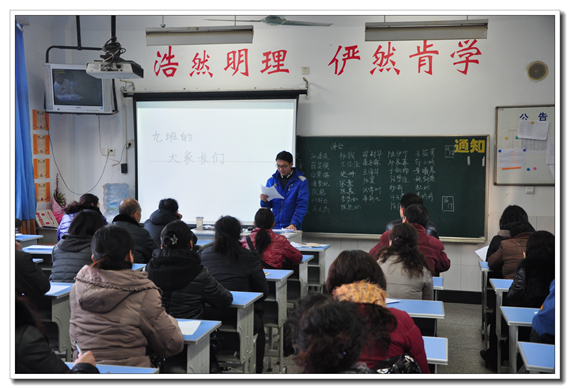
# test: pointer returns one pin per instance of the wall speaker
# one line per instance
(537, 71)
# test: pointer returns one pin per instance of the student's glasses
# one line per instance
(283, 166)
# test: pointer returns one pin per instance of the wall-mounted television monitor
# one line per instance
(69, 89)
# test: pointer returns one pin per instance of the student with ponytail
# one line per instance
(275, 250)
(407, 272)
(116, 312)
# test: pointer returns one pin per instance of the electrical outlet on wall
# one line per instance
(108, 152)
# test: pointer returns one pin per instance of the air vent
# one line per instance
(537, 71)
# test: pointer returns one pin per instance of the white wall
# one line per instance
(354, 103)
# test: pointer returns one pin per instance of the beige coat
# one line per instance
(117, 314)
(510, 253)
(401, 286)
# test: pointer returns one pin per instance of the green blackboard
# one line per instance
(355, 183)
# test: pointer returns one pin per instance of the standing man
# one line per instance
(293, 186)
(129, 218)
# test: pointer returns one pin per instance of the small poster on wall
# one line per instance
(43, 192)
(41, 168)
(40, 120)
(41, 144)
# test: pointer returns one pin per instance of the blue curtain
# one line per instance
(25, 188)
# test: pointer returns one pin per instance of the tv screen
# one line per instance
(69, 89)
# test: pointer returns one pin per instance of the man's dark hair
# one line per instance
(285, 156)
(168, 204)
(409, 199)
(417, 213)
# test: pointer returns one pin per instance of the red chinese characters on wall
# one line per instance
(350, 52)
(467, 50)
(200, 65)
(425, 57)
(383, 59)
(166, 64)
(237, 60)
(274, 60)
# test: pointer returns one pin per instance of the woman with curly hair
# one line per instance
(356, 277)
(330, 335)
(407, 273)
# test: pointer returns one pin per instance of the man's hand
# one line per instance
(291, 227)
(263, 197)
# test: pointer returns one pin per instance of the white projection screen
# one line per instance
(212, 156)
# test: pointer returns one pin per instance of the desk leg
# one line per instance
(61, 316)
(513, 352)
(198, 357)
(245, 330)
(484, 323)
(498, 316)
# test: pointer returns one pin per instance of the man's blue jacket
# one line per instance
(294, 206)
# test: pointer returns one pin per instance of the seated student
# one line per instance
(33, 352)
(355, 276)
(185, 283)
(330, 335)
(73, 251)
(407, 273)
(273, 248)
(30, 279)
(129, 217)
(237, 269)
(511, 251)
(511, 214)
(116, 312)
(530, 287)
(543, 323)
(432, 248)
(407, 200)
(86, 201)
(167, 212)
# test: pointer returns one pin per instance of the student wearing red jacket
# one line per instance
(432, 248)
(273, 248)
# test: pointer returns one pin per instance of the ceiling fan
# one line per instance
(273, 20)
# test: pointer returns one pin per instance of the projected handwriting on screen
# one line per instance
(182, 155)
(361, 179)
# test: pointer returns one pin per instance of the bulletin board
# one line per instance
(525, 145)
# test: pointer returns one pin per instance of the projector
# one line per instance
(114, 70)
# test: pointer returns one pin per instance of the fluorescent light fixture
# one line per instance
(419, 31)
(156, 36)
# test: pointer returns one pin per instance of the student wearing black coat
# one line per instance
(185, 284)
(167, 212)
(33, 353)
(237, 269)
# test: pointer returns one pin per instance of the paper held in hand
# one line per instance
(271, 192)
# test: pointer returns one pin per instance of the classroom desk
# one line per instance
(114, 369)
(275, 312)
(516, 317)
(436, 351)
(298, 282)
(424, 312)
(291, 235)
(243, 304)
(487, 295)
(437, 286)
(54, 307)
(28, 240)
(198, 346)
(139, 266)
(43, 252)
(537, 357)
(499, 286)
(317, 266)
